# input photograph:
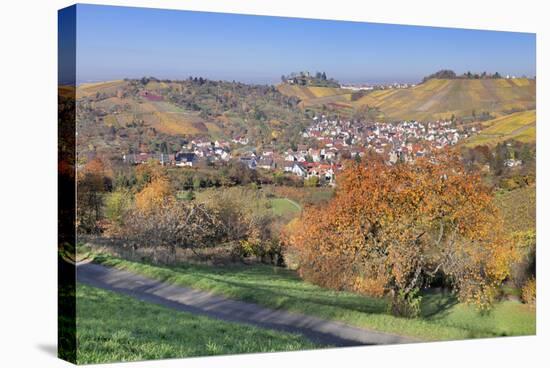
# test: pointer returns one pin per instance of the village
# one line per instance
(403, 141)
(330, 142)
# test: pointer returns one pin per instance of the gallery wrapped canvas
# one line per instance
(241, 184)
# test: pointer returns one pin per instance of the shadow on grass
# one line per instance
(288, 291)
(201, 303)
(437, 304)
(258, 292)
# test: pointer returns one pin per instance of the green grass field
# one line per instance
(284, 206)
(443, 318)
(113, 327)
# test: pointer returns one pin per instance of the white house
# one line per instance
(299, 170)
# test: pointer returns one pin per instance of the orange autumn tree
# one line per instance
(154, 195)
(156, 191)
(390, 229)
(148, 172)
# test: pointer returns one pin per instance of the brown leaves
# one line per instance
(389, 227)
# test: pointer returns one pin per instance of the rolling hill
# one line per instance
(142, 114)
(434, 99)
(122, 108)
(90, 89)
(520, 126)
(136, 110)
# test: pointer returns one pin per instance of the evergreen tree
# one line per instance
(498, 161)
(163, 147)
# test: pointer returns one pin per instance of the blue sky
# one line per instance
(124, 42)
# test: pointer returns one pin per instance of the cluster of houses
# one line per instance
(304, 162)
(194, 152)
(299, 162)
(403, 141)
(331, 141)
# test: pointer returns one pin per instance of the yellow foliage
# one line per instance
(153, 195)
(529, 292)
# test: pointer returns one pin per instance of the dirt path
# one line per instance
(298, 207)
(200, 302)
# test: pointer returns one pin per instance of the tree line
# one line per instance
(450, 74)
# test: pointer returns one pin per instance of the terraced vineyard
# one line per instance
(519, 208)
(142, 114)
(519, 126)
(434, 99)
(157, 113)
(306, 93)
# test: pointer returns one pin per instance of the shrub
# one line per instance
(406, 304)
(248, 220)
(268, 251)
(311, 182)
(117, 205)
(529, 292)
(174, 224)
(525, 268)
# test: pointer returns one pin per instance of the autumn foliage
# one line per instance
(390, 229)
(158, 219)
(154, 195)
(529, 292)
(93, 180)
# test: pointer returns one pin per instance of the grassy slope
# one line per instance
(519, 125)
(304, 196)
(437, 98)
(281, 288)
(113, 327)
(283, 206)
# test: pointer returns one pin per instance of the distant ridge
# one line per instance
(433, 99)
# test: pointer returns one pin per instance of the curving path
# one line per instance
(205, 303)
